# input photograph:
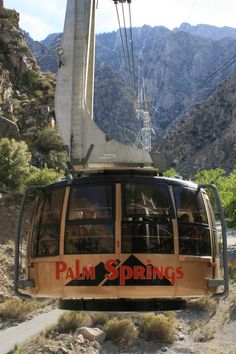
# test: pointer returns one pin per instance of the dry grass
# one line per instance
(120, 331)
(205, 334)
(205, 304)
(16, 309)
(100, 318)
(159, 327)
(232, 271)
(71, 320)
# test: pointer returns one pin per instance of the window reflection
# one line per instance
(90, 225)
(90, 202)
(46, 232)
(194, 234)
(190, 205)
(146, 223)
(147, 199)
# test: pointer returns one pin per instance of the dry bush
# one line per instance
(232, 271)
(41, 339)
(100, 318)
(121, 332)
(205, 334)
(205, 304)
(17, 309)
(159, 327)
(71, 320)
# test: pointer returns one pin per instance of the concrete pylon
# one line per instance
(87, 144)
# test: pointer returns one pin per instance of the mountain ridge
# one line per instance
(174, 63)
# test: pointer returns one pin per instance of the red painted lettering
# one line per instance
(70, 274)
(139, 272)
(77, 269)
(110, 266)
(60, 268)
(180, 273)
(126, 272)
(157, 273)
(148, 272)
(170, 274)
(88, 273)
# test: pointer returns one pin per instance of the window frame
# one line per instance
(137, 218)
(92, 221)
(34, 249)
(193, 225)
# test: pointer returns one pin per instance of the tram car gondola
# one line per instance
(122, 240)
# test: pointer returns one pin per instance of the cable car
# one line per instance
(116, 236)
(122, 240)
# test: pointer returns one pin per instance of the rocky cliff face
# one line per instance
(204, 137)
(208, 31)
(174, 64)
(25, 93)
(195, 133)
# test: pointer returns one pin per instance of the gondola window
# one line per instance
(147, 219)
(194, 234)
(46, 232)
(90, 220)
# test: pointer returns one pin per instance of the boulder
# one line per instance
(92, 334)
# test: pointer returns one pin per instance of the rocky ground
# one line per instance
(205, 327)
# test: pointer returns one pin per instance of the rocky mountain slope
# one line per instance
(26, 94)
(208, 31)
(204, 137)
(174, 63)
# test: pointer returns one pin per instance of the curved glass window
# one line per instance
(194, 233)
(46, 231)
(90, 220)
(146, 221)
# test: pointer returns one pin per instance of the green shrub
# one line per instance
(30, 78)
(71, 320)
(17, 309)
(49, 139)
(160, 328)
(226, 185)
(43, 177)
(14, 163)
(171, 173)
(50, 145)
(121, 331)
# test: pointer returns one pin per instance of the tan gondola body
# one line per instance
(143, 251)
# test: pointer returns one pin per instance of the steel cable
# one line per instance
(223, 67)
(128, 58)
(127, 46)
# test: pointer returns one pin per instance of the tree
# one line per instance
(14, 163)
(43, 177)
(226, 186)
(50, 145)
(171, 173)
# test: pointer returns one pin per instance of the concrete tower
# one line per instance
(88, 146)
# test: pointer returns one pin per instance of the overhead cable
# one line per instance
(132, 48)
(127, 43)
(223, 67)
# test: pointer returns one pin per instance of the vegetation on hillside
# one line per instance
(226, 185)
(16, 171)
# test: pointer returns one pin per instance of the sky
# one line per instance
(43, 17)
